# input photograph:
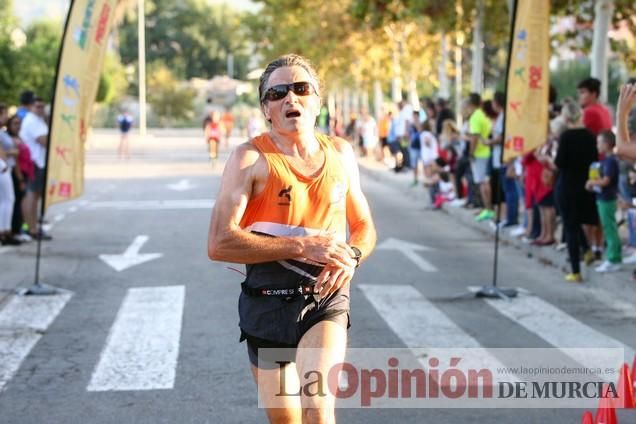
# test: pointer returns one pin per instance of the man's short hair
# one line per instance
(287, 60)
(593, 85)
(474, 99)
(608, 137)
(27, 98)
(442, 102)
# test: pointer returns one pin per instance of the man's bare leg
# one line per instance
(320, 349)
(279, 409)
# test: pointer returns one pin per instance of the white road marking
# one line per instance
(556, 327)
(59, 217)
(22, 322)
(143, 344)
(131, 256)
(154, 204)
(183, 185)
(409, 250)
(424, 328)
(72, 209)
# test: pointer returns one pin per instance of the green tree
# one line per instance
(170, 100)
(37, 60)
(192, 38)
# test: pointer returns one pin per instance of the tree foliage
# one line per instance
(192, 38)
(170, 100)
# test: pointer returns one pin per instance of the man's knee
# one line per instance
(318, 415)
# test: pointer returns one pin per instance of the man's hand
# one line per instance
(332, 278)
(626, 100)
(329, 251)
(589, 185)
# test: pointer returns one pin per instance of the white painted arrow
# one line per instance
(182, 185)
(409, 250)
(131, 256)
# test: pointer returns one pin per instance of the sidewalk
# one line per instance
(599, 284)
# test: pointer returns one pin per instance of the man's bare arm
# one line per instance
(228, 242)
(626, 102)
(362, 232)
(42, 140)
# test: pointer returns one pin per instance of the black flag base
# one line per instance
(494, 292)
(39, 289)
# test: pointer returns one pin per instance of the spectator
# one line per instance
(402, 126)
(24, 173)
(443, 113)
(576, 152)
(7, 194)
(415, 147)
(479, 128)
(383, 130)
(26, 101)
(34, 132)
(429, 149)
(494, 168)
(507, 178)
(606, 194)
(368, 130)
(453, 138)
(596, 117)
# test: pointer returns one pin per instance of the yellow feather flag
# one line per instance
(528, 79)
(78, 72)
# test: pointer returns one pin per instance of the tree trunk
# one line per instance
(477, 76)
(413, 99)
(603, 11)
(346, 107)
(396, 83)
(377, 99)
(444, 90)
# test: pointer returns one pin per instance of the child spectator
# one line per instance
(606, 200)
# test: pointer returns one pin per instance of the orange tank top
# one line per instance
(292, 204)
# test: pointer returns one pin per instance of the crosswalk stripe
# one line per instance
(423, 327)
(22, 322)
(556, 327)
(142, 348)
(143, 205)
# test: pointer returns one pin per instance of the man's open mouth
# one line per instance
(292, 114)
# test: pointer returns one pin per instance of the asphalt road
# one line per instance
(157, 341)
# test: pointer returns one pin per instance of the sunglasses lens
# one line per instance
(301, 88)
(278, 92)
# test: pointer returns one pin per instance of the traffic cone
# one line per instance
(625, 389)
(606, 414)
(587, 418)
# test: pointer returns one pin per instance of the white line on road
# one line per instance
(154, 204)
(131, 256)
(557, 328)
(22, 323)
(423, 327)
(410, 251)
(142, 348)
(59, 217)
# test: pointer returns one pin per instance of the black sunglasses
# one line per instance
(277, 92)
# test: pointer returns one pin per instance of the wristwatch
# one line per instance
(358, 255)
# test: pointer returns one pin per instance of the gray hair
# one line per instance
(571, 111)
(287, 61)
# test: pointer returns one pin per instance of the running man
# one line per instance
(286, 201)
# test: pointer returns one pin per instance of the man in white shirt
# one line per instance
(405, 115)
(34, 133)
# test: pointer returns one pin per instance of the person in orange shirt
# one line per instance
(286, 201)
(228, 124)
(383, 131)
